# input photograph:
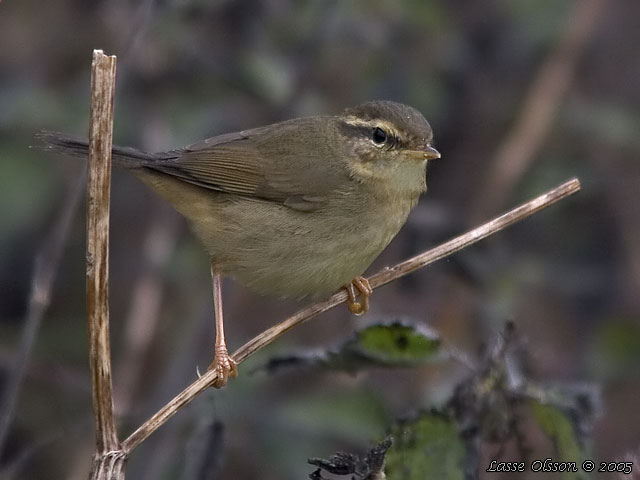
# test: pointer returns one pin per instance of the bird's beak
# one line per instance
(431, 153)
(425, 153)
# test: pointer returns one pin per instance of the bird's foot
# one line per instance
(362, 285)
(225, 366)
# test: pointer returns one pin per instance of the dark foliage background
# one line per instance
(569, 277)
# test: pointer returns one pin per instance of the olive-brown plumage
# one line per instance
(295, 208)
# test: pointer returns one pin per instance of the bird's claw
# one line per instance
(362, 285)
(225, 366)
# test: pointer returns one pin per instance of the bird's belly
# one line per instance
(300, 270)
(295, 254)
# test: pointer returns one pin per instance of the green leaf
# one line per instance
(559, 427)
(427, 447)
(396, 344)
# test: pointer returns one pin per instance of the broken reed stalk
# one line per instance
(108, 462)
(383, 277)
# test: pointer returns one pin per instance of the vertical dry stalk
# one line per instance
(106, 464)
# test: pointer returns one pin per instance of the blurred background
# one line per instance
(521, 96)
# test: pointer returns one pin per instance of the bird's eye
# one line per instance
(379, 136)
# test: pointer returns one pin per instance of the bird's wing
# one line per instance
(275, 163)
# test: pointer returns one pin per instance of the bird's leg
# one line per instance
(222, 361)
(365, 290)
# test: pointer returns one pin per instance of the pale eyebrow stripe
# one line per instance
(355, 124)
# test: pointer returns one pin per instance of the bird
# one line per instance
(294, 209)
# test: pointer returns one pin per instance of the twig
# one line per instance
(103, 70)
(381, 278)
(46, 268)
(542, 101)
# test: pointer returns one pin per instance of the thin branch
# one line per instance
(46, 268)
(103, 70)
(381, 278)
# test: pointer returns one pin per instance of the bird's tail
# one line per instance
(122, 156)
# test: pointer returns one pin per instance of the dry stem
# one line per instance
(103, 70)
(381, 278)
